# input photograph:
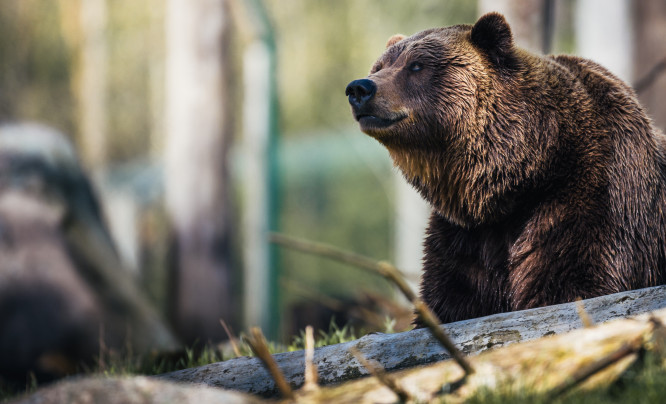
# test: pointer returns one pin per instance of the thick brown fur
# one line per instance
(545, 175)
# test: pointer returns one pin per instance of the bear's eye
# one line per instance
(416, 67)
(377, 67)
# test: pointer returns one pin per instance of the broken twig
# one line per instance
(258, 345)
(584, 317)
(232, 339)
(376, 370)
(310, 368)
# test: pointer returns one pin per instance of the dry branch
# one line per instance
(389, 272)
(232, 338)
(584, 317)
(377, 371)
(651, 76)
(310, 367)
(260, 348)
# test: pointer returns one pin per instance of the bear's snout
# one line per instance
(360, 91)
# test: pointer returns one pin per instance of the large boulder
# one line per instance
(64, 296)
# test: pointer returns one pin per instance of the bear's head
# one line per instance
(442, 103)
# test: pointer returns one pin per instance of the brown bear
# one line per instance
(545, 175)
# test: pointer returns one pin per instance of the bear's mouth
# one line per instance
(367, 121)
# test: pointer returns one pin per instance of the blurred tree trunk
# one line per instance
(650, 57)
(529, 20)
(91, 82)
(199, 130)
(603, 34)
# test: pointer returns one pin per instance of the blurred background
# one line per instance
(204, 124)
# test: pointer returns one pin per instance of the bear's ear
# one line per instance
(395, 39)
(492, 35)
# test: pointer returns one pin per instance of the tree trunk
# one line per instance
(650, 61)
(526, 18)
(199, 130)
(603, 34)
(91, 73)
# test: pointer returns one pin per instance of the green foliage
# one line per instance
(135, 77)
(336, 189)
(323, 45)
(9, 391)
(389, 325)
(335, 335)
(35, 70)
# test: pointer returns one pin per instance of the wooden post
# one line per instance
(256, 124)
(261, 293)
(199, 130)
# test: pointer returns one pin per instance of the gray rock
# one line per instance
(63, 289)
(134, 390)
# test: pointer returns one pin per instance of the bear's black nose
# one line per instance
(360, 91)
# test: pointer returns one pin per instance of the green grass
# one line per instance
(644, 382)
(335, 335)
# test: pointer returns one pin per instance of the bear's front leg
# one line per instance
(457, 291)
(464, 271)
(561, 262)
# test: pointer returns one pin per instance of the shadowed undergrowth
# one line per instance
(111, 363)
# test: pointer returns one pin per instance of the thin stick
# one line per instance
(582, 313)
(258, 345)
(232, 339)
(310, 367)
(433, 324)
(388, 271)
(327, 251)
(376, 370)
(650, 77)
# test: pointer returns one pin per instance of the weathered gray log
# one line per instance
(397, 351)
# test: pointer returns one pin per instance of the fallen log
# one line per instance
(543, 369)
(335, 363)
